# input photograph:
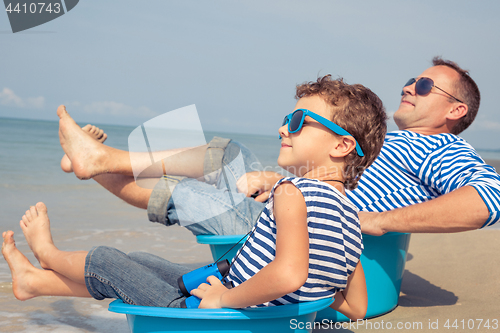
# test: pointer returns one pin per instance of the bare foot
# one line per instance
(21, 269)
(36, 228)
(86, 155)
(95, 133)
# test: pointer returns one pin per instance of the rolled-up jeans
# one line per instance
(212, 206)
(136, 278)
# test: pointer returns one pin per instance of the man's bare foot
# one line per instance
(21, 269)
(86, 155)
(36, 228)
(95, 133)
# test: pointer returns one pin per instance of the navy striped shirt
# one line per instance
(414, 168)
(335, 242)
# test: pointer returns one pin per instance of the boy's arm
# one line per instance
(353, 300)
(285, 274)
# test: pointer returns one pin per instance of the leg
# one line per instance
(101, 273)
(126, 188)
(138, 192)
(213, 206)
(36, 228)
(29, 281)
(90, 158)
(138, 278)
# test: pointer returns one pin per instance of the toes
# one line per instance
(104, 137)
(61, 111)
(24, 222)
(40, 206)
(8, 236)
(28, 216)
(33, 211)
(87, 127)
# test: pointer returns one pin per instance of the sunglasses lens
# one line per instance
(409, 83)
(424, 86)
(285, 121)
(295, 121)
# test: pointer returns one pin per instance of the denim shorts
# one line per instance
(212, 206)
(136, 278)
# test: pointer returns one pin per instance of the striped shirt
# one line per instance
(414, 168)
(335, 243)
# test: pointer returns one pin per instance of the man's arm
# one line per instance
(460, 210)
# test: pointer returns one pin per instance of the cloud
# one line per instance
(117, 109)
(9, 98)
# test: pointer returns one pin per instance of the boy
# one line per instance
(305, 246)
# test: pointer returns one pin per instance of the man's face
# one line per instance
(427, 114)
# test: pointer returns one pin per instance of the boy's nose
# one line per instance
(283, 130)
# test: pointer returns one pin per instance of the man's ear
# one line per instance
(458, 111)
(343, 146)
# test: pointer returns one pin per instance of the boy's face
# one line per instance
(308, 148)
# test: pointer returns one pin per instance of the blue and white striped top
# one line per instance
(414, 168)
(335, 242)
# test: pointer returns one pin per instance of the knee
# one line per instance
(104, 255)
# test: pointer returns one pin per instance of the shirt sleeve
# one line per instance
(457, 165)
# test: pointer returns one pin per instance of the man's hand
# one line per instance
(258, 184)
(370, 223)
(210, 294)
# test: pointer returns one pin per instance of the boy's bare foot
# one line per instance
(95, 133)
(36, 228)
(20, 267)
(86, 155)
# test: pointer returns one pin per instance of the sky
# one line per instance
(125, 62)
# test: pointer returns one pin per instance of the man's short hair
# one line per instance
(466, 90)
(360, 112)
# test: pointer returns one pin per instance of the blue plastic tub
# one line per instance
(383, 260)
(221, 244)
(285, 318)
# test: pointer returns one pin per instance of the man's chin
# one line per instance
(400, 120)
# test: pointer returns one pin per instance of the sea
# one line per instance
(83, 215)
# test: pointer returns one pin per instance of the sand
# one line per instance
(448, 278)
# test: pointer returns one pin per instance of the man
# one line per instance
(426, 178)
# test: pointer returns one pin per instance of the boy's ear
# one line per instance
(343, 146)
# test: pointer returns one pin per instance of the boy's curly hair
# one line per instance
(360, 112)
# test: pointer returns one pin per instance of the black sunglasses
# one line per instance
(424, 86)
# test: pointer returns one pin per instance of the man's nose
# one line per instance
(409, 90)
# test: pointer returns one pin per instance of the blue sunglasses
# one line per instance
(295, 120)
